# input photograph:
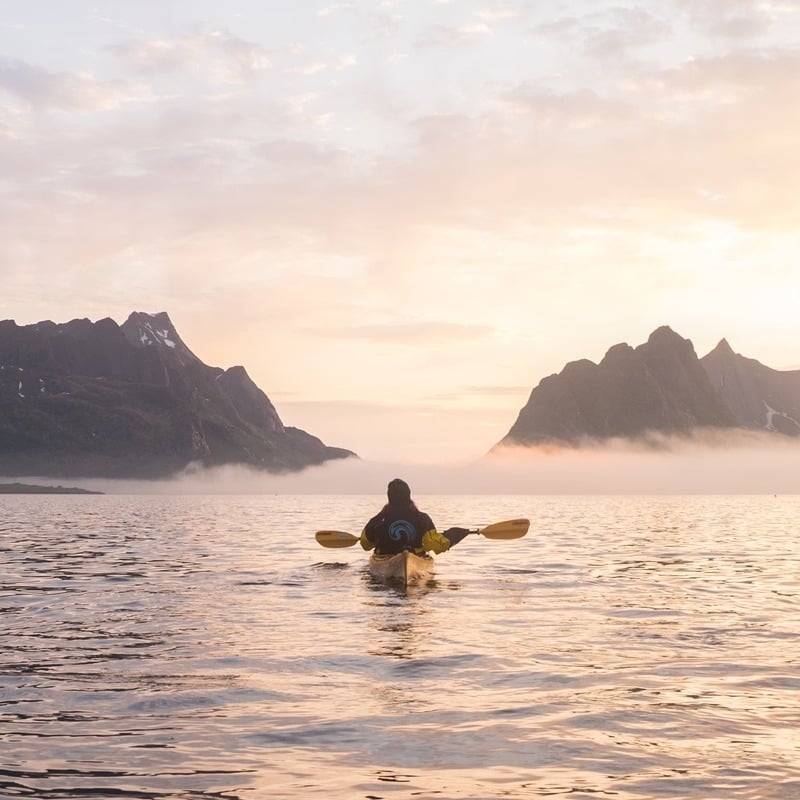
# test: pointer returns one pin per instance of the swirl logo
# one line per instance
(402, 532)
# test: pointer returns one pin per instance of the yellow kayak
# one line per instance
(405, 567)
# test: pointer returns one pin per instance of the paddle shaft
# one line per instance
(509, 529)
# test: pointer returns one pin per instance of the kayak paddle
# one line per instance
(509, 529)
(335, 538)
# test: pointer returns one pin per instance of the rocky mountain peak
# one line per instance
(157, 331)
(664, 334)
(760, 397)
(723, 349)
(658, 386)
(99, 399)
(618, 353)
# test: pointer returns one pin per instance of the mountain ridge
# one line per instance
(89, 399)
(660, 386)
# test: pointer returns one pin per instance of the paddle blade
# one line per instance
(510, 529)
(335, 538)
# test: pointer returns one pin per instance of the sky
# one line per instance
(401, 215)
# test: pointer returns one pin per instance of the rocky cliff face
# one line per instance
(759, 397)
(99, 399)
(660, 386)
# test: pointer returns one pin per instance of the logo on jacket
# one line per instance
(403, 533)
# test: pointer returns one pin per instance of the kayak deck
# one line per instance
(404, 568)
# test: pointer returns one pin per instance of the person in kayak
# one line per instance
(400, 525)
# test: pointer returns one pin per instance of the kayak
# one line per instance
(405, 567)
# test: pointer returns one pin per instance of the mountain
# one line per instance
(660, 386)
(759, 397)
(99, 399)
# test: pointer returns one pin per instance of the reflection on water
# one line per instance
(209, 648)
(398, 626)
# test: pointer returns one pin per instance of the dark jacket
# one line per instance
(402, 527)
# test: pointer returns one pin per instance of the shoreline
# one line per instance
(32, 488)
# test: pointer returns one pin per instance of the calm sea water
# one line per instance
(207, 647)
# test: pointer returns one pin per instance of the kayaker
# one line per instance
(400, 525)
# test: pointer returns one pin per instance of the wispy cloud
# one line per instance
(735, 19)
(410, 333)
(609, 34)
(627, 29)
(686, 469)
(445, 36)
(71, 91)
(582, 108)
(319, 66)
(294, 154)
(334, 8)
(497, 11)
(477, 208)
(487, 392)
(225, 56)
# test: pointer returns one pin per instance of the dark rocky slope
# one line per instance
(662, 387)
(99, 399)
(759, 397)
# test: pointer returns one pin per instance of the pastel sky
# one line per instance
(400, 215)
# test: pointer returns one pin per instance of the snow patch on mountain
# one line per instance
(150, 335)
(772, 413)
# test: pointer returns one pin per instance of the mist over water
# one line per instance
(751, 464)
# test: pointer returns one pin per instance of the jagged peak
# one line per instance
(151, 329)
(158, 318)
(723, 348)
(157, 407)
(664, 334)
(617, 352)
(155, 330)
(664, 340)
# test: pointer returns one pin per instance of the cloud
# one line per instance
(318, 66)
(734, 77)
(735, 20)
(537, 156)
(449, 36)
(608, 34)
(504, 213)
(583, 108)
(411, 333)
(69, 91)
(312, 68)
(489, 392)
(293, 154)
(697, 470)
(538, 169)
(625, 30)
(226, 57)
(724, 125)
(497, 12)
(493, 390)
(334, 8)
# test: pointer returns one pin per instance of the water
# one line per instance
(207, 647)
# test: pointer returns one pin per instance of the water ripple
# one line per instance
(165, 647)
